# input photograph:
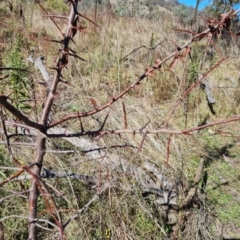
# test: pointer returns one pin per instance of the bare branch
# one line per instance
(136, 49)
(52, 174)
(149, 71)
(148, 131)
(50, 17)
(124, 116)
(193, 190)
(39, 63)
(13, 195)
(143, 139)
(18, 114)
(91, 21)
(5, 133)
(12, 177)
(168, 148)
(207, 90)
(187, 92)
(94, 198)
(55, 16)
(32, 220)
(12, 68)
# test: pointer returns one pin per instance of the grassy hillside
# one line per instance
(138, 184)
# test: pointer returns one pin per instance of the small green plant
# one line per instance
(19, 81)
(58, 6)
(144, 224)
(194, 65)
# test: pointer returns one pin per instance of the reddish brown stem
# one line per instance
(168, 149)
(190, 89)
(41, 138)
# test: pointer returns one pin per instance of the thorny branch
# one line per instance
(176, 54)
(187, 92)
(94, 198)
(17, 113)
(46, 174)
(144, 131)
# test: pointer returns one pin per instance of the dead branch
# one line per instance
(187, 92)
(193, 190)
(47, 174)
(50, 17)
(208, 93)
(5, 133)
(12, 68)
(67, 134)
(39, 64)
(37, 220)
(94, 198)
(12, 177)
(13, 195)
(136, 49)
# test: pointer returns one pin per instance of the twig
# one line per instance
(148, 131)
(131, 86)
(193, 190)
(13, 195)
(5, 132)
(36, 220)
(50, 17)
(94, 198)
(124, 116)
(190, 89)
(12, 177)
(19, 143)
(10, 168)
(12, 68)
(18, 114)
(51, 174)
(136, 49)
(168, 148)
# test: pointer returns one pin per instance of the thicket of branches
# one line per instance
(32, 118)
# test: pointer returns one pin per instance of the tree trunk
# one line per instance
(41, 146)
(41, 138)
(196, 10)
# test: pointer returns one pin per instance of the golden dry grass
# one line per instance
(120, 214)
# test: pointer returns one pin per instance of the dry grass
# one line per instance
(120, 214)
